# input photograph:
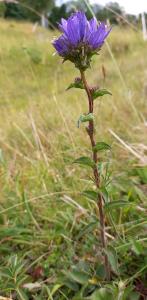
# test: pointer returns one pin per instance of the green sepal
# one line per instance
(84, 160)
(101, 146)
(100, 93)
(85, 118)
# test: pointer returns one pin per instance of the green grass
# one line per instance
(49, 234)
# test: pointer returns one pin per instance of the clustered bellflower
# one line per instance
(81, 39)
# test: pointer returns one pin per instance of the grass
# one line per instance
(49, 232)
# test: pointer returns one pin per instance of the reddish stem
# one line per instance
(90, 131)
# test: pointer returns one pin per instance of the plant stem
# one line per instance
(90, 131)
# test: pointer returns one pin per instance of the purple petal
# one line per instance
(73, 32)
(63, 26)
(97, 38)
(79, 32)
(93, 24)
(61, 45)
(87, 32)
(82, 23)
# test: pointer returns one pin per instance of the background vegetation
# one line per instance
(49, 242)
(32, 10)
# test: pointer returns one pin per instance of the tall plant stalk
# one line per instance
(79, 41)
(90, 131)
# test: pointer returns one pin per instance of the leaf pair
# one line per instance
(87, 161)
(95, 93)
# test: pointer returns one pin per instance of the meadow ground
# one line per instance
(49, 233)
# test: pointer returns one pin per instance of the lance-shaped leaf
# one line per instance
(104, 193)
(91, 195)
(84, 160)
(112, 258)
(85, 118)
(102, 294)
(78, 276)
(100, 93)
(78, 84)
(118, 204)
(101, 146)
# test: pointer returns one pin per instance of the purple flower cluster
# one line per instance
(80, 39)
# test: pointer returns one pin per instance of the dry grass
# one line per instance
(39, 138)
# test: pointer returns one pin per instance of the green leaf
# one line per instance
(79, 277)
(22, 294)
(142, 173)
(101, 146)
(77, 84)
(56, 287)
(100, 272)
(6, 273)
(78, 296)
(84, 160)
(100, 93)
(102, 294)
(118, 204)
(91, 195)
(100, 167)
(105, 193)
(112, 258)
(88, 229)
(85, 118)
(72, 285)
(137, 247)
(134, 296)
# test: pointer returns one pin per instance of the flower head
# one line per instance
(80, 39)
